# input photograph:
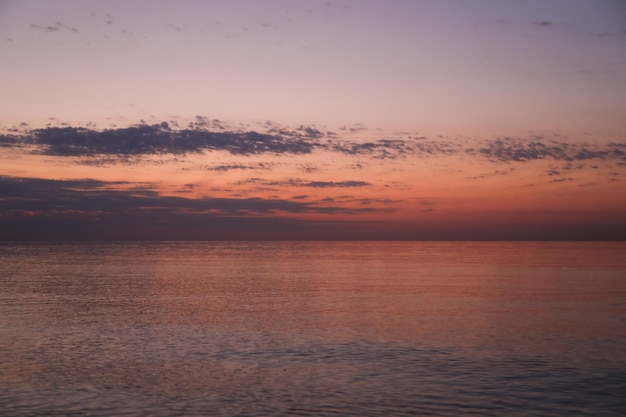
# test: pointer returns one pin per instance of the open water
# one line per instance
(313, 329)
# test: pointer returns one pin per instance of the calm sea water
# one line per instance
(313, 329)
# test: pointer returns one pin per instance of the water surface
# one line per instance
(313, 328)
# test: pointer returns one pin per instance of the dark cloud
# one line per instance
(45, 28)
(394, 148)
(310, 132)
(369, 201)
(239, 167)
(492, 174)
(519, 150)
(7, 141)
(126, 144)
(33, 208)
(332, 184)
(33, 194)
(54, 28)
(296, 182)
(355, 128)
(99, 199)
(154, 140)
(30, 188)
(514, 150)
(309, 169)
(543, 23)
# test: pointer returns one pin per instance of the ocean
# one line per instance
(313, 329)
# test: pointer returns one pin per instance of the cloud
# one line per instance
(17, 187)
(310, 132)
(394, 148)
(154, 139)
(562, 179)
(45, 28)
(607, 34)
(33, 208)
(129, 144)
(45, 195)
(54, 28)
(355, 128)
(7, 141)
(543, 23)
(518, 150)
(237, 167)
(333, 184)
(296, 182)
(33, 194)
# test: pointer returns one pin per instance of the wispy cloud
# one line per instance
(334, 184)
(562, 179)
(57, 26)
(297, 182)
(239, 167)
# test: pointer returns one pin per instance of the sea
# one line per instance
(313, 329)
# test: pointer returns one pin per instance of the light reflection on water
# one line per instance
(313, 328)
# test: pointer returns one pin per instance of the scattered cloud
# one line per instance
(395, 148)
(519, 150)
(126, 144)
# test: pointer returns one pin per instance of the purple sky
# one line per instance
(456, 66)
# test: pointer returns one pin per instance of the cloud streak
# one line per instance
(119, 145)
(155, 139)
(43, 195)
(297, 182)
(90, 209)
(239, 167)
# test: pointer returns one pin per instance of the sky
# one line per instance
(396, 119)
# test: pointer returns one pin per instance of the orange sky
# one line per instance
(379, 184)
